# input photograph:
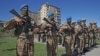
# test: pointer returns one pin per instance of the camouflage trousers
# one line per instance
(51, 46)
(68, 45)
(80, 43)
(94, 38)
(60, 40)
(90, 39)
(73, 41)
(25, 45)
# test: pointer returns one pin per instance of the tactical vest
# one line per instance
(66, 31)
(78, 29)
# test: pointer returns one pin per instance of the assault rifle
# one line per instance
(26, 25)
(14, 12)
(47, 21)
(54, 28)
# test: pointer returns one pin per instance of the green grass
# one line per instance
(8, 48)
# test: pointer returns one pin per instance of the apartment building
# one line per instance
(45, 9)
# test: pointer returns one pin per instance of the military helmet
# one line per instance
(69, 18)
(93, 22)
(73, 22)
(83, 19)
(50, 15)
(22, 6)
(79, 21)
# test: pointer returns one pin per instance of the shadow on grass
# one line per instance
(2, 42)
(63, 55)
(12, 49)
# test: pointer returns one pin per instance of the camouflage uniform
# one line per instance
(25, 42)
(91, 33)
(52, 38)
(79, 38)
(60, 38)
(94, 26)
(73, 26)
(67, 29)
(85, 34)
(61, 35)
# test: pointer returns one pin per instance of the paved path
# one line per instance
(95, 51)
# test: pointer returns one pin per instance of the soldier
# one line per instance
(25, 42)
(73, 23)
(79, 38)
(85, 31)
(73, 26)
(23, 30)
(67, 29)
(94, 26)
(91, 33)
(61, 35)
(51, 36)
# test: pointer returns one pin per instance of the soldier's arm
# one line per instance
(64, 27)
(19, 21)
(76, 30)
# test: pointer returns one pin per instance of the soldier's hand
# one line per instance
(36, 30)
(69, 28)
(19, 21)
(49, 25)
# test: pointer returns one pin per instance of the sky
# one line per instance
(77, 9)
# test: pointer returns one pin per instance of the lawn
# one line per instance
(8, 48)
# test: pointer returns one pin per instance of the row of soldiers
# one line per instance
(74, 35)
